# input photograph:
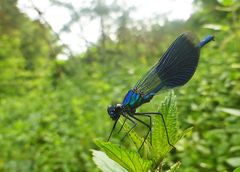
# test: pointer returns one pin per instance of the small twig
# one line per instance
(57, 35)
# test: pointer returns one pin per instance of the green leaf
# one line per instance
(186, 132)
(174, 167)
(129, 160)
(160, 146)
(235, 112)
(237, 170)
(133, 135)
(226, 2)
(234, 162)
(137, 140)
(106, 164)
(216, 27)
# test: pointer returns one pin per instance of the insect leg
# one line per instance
(122, 125)
(114, 125)
(134, 125)
(150, 123)
(147, 125)
(164, 123)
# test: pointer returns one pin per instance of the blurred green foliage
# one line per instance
(51, 110)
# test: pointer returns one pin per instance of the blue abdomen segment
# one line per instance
(206, 40)
(134, 99)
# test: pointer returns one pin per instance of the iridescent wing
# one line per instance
(175, 68)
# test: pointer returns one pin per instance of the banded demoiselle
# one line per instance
(175, 68)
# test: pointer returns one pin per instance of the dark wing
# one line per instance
(175, 68)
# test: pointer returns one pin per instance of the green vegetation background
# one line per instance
(51, 110)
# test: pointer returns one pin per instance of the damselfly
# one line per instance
(175, 68)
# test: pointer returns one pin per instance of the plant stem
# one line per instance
(159, 167)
